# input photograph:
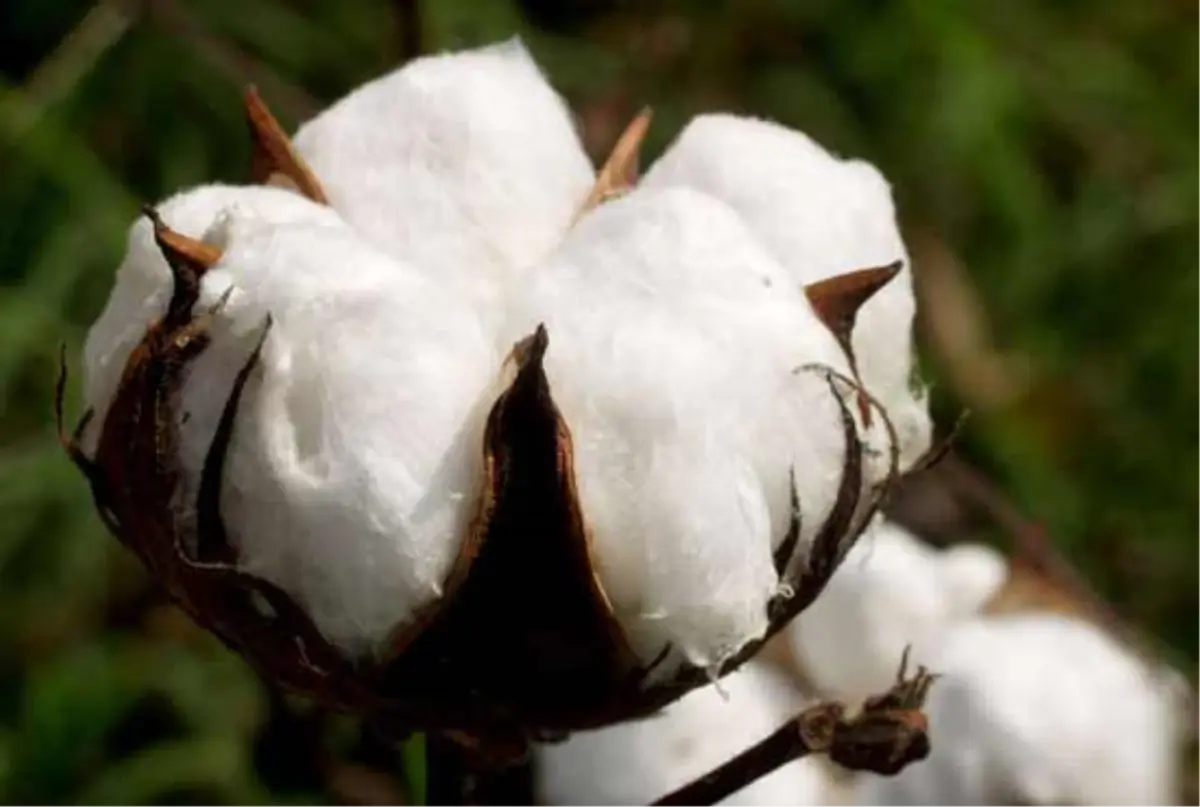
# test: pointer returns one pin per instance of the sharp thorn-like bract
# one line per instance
(188, 260)
(620, 171)
(274, 160)
(837, 301)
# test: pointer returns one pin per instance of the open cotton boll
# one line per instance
(637, 762)
(1041, 709)
(467, 164)
(892, 590)
(143, 280)
(355, 468)
(820, 216)
(673, 339)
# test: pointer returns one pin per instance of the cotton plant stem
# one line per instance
(789, 742)
(887, 734)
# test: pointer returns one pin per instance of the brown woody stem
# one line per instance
(887, 734)
(793, 740)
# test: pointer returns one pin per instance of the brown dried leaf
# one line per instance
(274, 160)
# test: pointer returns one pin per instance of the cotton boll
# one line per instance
(143, 280)
(971, 575)
(1041, 709)
(635, 763)
(467, 164)
(673, 340)
(892, 590)
(820, 216)
(354, 469)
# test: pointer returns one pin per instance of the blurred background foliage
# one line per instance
(1044, 156)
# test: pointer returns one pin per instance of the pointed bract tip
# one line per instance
(529, 351)
(620, 171)
(180, 250)
(838, 299)
(274, 160)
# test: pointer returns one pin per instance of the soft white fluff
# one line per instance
(143, 281)
(892, 590)
(673, 337)
(1042, 709)
(819, 216)
(355, 462)
(467, 164)
(635, 763)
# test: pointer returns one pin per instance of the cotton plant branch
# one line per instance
(888, 733)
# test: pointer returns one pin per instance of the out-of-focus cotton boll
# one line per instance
(971, 575)
(637, 762)
(673, 337)
(143, 280)
(1041, 709)
(892, 590)
(820, 216)
(467, 164)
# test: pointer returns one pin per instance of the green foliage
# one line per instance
(1051, 149)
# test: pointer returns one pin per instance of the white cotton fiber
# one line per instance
(1042, 709)
(892, 590)
(467, 164)
(638, 762)
(673, 337)
(820, 216)
(354, 466)
(143, 280)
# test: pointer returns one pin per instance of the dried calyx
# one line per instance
(309, 421)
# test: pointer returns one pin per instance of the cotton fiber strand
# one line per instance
(637, 762)
(1042, 709)
(673, 340)
(467, 164)
(892, 590)
(819, 216)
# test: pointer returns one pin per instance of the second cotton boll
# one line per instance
(891, 591)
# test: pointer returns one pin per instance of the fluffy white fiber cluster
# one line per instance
(676, 320)
(1030, 707)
